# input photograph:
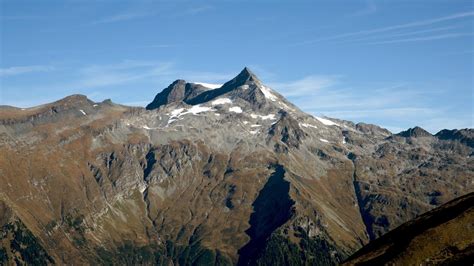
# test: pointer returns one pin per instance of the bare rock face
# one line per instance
(287, 131)
(178, 91)
(244, 81)
(232, 175)
(465, 136)
(415, 132)
(371, 129)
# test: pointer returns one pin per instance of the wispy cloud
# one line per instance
(17, 70)
(427, 38)
(391, 36)
(206, 77)
(384, 113)
(157, 46)
(306, 86)
(135, 70)
(132, 15)
(370, 8)
(98, 76)
(191, 11)
(430, 30)
(21, 17)
(382, 103)
(101, 81)
(404, 26)
(120, 73)
(121, 17)
(197, 10)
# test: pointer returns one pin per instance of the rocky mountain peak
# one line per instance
(173, 93)
(73, 105)
(195, 93)
(74, 100)
(245, 79)
(246, 76)
(465, 136)
(372, 129)
(245, 86)
(286, 130)
(178, 91)
(415, 133)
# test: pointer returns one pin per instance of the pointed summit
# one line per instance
(245, 86)
(245, 77)
(195, 93)
(246, 70)
(173, 93)
(415, 133)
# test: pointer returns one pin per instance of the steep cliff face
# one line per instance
(230, 175)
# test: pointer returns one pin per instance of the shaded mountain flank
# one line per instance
(443, 236)
(18, 245)
(214, 176)
(271, 209)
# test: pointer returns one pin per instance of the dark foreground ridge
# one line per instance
(424, 239)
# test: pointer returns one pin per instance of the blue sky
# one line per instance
(393, 63)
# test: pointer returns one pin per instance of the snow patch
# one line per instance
(268, 93)
(285, 106)
(344, 140)
(235, 109)
(308, 125)
(221, 101)
(324, 140)
(325, 121)
(244, 87)
(149, 128)
(246, 122)
(255, 125)
(142, 188)
(176, 112)
(253, 132)
(263, 117)
(196, 109)
(209, 85)
(82, 111)
(95, 105)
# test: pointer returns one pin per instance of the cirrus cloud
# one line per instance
(17, 70)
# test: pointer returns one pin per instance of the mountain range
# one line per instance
(232, 174)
